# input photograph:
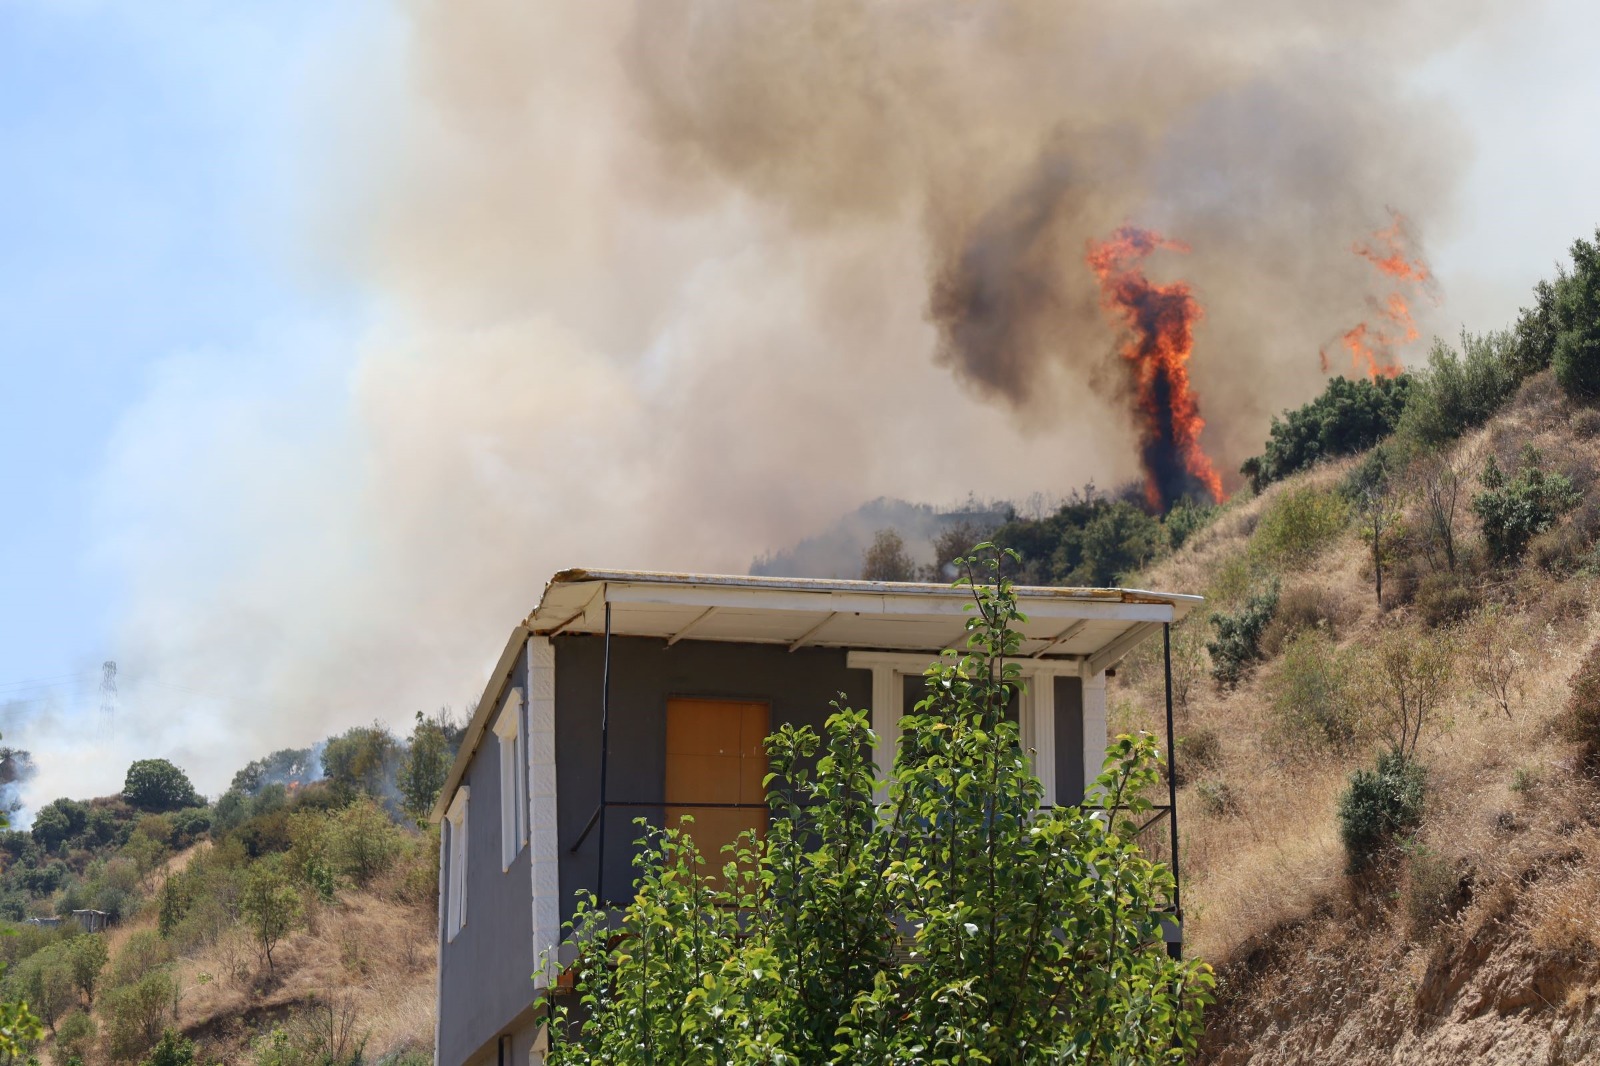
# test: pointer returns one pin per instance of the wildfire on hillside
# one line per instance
(1160, 320)
(1372, 344)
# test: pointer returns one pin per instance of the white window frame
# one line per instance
(1036, 711)
(456, 891)
(513, 743)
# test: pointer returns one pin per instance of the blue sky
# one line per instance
(162, 166)
(148, 168)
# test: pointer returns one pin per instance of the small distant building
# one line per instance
(43, 923)
(91, 920)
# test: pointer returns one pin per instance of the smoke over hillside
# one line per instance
(669, 283)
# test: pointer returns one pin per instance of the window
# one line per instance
(456, 888)
(513, 779)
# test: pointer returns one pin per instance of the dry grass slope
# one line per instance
(1480, 940)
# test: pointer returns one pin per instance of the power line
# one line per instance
(108, 695)
(42, 681)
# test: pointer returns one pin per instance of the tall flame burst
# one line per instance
(1160, 320)
(1372, 343)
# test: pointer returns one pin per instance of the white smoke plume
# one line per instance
(670, 283)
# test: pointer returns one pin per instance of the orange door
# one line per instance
(716, 753)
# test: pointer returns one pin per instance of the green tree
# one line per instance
(59, 821)
(158, 785)
(429, 754)
(1577, 312)
(270, 906)
(1349, 416)
(886, 559)
(1116, 541)
(363, 842)
(955, 923)
(362, 759)
(136, 1014)
(45, 980)
(282, 766)
(86, 958)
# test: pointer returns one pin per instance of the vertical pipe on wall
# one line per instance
(1175, 948)
(605, 755)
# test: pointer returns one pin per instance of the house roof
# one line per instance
(1062, 623)
(1094, 626)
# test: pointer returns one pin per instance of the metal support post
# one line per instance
(605, 756)
(1174, 948)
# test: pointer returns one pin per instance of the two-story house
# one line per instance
(635, 694)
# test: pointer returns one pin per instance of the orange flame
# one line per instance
(1391, 258)
(1160, 320)
(1372, 344)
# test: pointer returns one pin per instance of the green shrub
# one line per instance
(1457, 393)
(142, 953)
(1514, 510)
(75, 1037)
(1185, 520)
(1299, 524)
(1349, 416)
(86, 958)
(1238, 642)
(171, 1050)
(136, 1014)
(1311, 703)
(363, 842)
(1536, 331)
(1378, 804)
(59, 821)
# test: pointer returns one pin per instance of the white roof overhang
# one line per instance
(1061, 623)
(1095, 627)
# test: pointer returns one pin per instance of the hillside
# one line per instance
(1472, 935)
(289, 923)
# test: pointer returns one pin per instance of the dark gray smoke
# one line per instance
(662, 283)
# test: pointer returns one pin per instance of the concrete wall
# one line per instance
(485, 972)
(645, 673)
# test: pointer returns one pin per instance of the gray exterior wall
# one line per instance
(522, 1033)
(485, 973)
(485, 986)
(645, 673)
